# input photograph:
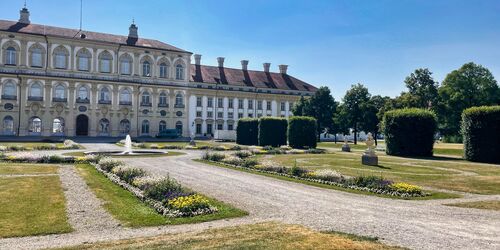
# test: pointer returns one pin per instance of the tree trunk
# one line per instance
(335, 136)
(355, 133)
(375, 137)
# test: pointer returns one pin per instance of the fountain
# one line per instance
(128, 150)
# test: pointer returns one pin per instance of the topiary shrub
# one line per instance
(481, 134)
(247, 131)
(409, 132)
(272, 131)
(302, 132)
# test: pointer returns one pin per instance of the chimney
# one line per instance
(197, 59)
(244, 64)
(283, 68)
(220, 60)
(266, 67)
(132, 31)
(24, 16)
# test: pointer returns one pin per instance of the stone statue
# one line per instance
(369, 157)
(192, 142)
(346, 147)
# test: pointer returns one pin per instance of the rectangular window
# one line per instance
(220, 103)
(198, 113)
(230, 103)
(198, 128)
(36, 59)
(282, 106)
(210, 102)
(198, 101)
(259, 105)
(220, 115)
(124, 68)
(83, 63)
(230, 115)
(259, 115)
(240, 115)
(250, 104)
(240, 104)
(60, 61)
(105, 66)
(268, 104)
(230, 127)
(250, 115)
(210, 114)
(219, 126)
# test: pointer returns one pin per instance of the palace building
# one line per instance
(66, 82)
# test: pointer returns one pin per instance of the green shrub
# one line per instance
(272, 131)
(247, 131)
(213, 156)
(128, 174)
(302, 132)
(297, 171)
(481, 134)
(409, 132)
(249, 163)
(107, 163)
(159, 190)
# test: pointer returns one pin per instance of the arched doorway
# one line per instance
(82, 125)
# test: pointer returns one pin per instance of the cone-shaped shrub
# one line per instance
(302, 132)
(409, 132)
(272, 131)
(481, 134)
(247, 131)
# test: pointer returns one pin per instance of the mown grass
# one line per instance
(490, 205)
(170, 153)
(256, 236)
(132, 212)
(436, 172)
(32, 206)
(20, 168)
(433, 195)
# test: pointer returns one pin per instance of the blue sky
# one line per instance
(332, 43)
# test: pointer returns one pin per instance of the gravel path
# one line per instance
(413, 224)
(84, 209)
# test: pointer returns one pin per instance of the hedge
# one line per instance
(272, 131)
(409, 132)
(481, 134)
(247, 131)
(302, 132)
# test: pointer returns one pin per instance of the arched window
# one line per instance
(36, 90)
(60, 58)
(146, 68)
(163, 126)
(179, 72)
(145, 127)
(35, 126)
(10, 56)
(179, 100)
(125, 97)
(83, 60)
(145, 98)
(126, 65)
(83, 93)
(163, 100)
(36, 56)
(104, 126)
(105, 62)
(60, 92)
(8, 125)
(124, 127)
(178, 126)
(9, 90)
(58, 126)
(104, 95)
(163, 70)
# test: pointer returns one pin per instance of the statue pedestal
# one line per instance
(192, 143)
(369, 159)
(346, 148)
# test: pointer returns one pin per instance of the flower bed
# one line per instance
(164, 194)
(68, 144)
(373, 184)
(28, 157)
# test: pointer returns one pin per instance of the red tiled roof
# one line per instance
(249, 78)
(38, 29)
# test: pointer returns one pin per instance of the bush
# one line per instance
(249, 163)
(213, 156)
(247, 131)
(481, 134)
(243, 154)
(409, 132)
(272, 131)
(327, 175)
(273, 167)
(233, 160)
(302, 132)
(370, 182)
(297, 171)
(107, 163)
(158, 190)
(128, 174)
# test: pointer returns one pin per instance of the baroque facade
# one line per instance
(65, 82)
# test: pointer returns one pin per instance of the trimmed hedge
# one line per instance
(247, 131)
(272, 131)
(409, 132)
(481, 134)
(302, 132)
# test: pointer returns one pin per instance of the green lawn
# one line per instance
(433, 195)
(129, 210)
(32, 206)
(170, 153)
(437, 172)
(9, 168)
(199, 143)
(256, 236)
(490, 205)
